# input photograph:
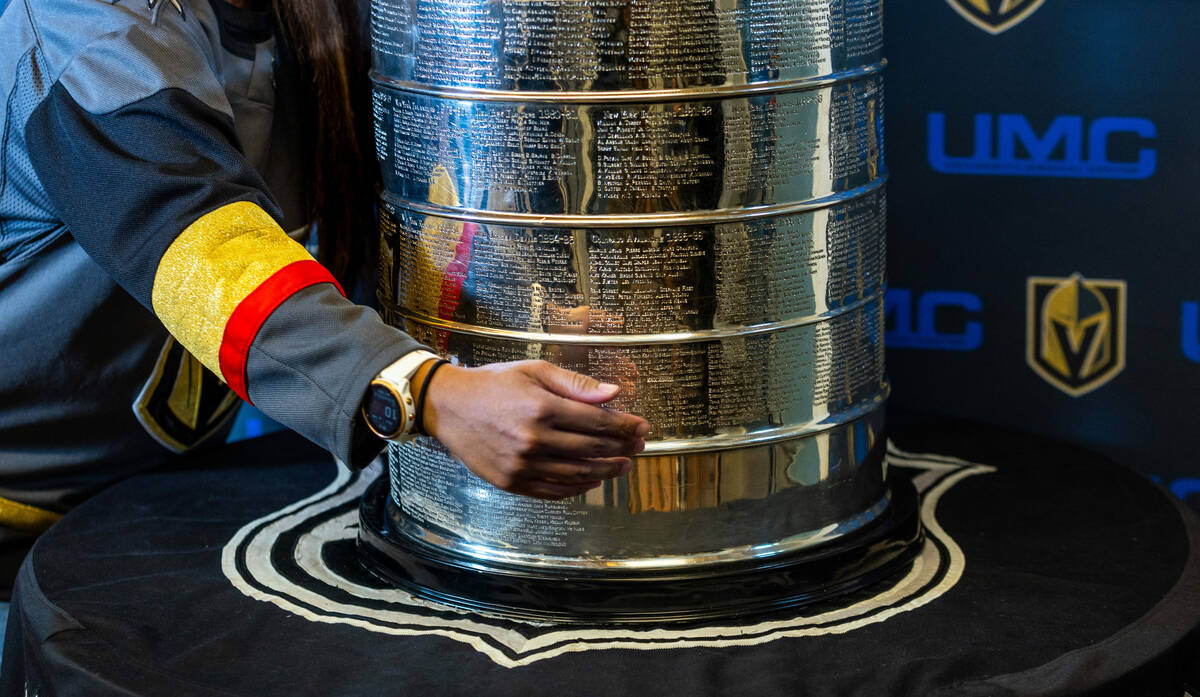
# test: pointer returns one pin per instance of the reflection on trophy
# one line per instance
(682, 198)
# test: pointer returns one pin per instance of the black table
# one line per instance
(1048, 571)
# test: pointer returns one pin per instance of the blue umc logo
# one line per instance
(1007, 144)
(923, 333)
(1189, 331)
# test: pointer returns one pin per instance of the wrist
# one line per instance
(428, 370)
(418, 378)
(438, 395)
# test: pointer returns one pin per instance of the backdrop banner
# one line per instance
(1042, 221)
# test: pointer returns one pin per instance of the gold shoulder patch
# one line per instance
(183, 404)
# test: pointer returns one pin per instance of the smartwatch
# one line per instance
(388, 407)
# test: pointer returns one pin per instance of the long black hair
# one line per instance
(329, 40)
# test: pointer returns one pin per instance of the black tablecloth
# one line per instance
(1049, 571)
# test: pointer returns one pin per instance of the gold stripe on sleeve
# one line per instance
(26, 518)
(211, 267)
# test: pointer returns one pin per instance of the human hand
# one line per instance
(530, 427)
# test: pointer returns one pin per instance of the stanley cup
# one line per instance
(682, 197)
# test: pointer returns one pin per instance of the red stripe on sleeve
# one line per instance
(250, 314)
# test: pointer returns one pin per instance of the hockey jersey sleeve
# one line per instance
(136, 149)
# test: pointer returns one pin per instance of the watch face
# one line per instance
(384, 412)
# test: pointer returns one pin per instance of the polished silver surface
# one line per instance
(676, 283)
(703, 155)
(740, 385)
(674, 510)
(683, 197)
(614, 45)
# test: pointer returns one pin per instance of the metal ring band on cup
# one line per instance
(666, 338)
(718, 520)
(714, 388)
(631, 96)
(662, 162)
(619, 45)
(774, 272)
(576, 221)
(742, 553)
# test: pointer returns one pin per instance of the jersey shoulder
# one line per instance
(111, 54)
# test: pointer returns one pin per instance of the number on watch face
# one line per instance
(384, 410)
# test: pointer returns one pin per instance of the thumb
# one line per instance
(577, 386)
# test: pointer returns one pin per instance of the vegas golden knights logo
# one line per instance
(995, 16)
(1075, 334)
(183, 404)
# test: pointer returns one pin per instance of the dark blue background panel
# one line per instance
(1062, 144)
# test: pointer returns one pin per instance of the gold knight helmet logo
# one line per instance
(1075, 334)
(995, 16)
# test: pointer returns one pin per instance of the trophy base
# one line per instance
(601, 596)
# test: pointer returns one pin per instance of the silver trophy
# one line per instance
(682, 197)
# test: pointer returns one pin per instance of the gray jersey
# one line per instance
(146, 176)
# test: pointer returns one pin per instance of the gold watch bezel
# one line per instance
(409, 416)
